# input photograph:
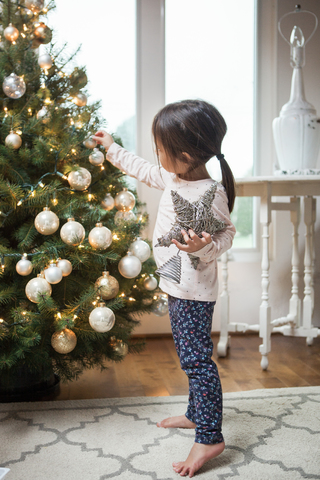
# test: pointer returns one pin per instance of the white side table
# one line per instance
(295, 187)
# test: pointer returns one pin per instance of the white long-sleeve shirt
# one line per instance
(196, 284)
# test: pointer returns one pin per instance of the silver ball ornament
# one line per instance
(108, 286)
(101, 318)
(11, 33)
(140, 249)
(72, 233)
(124, 217)
(45, 61)
(24, 266)
(14, 86)
(160, 304)
(120, 348)
(80, 99)
(96, 158)
(64, 341)
(100, 237)
(150, 283)
(65, 266)
(124, 200)
(53, 274)
(46, 222)
(13, 140)
(129, 266)
(90, 143)
(79, 179)
(108, 202)
(34, 5)
(43, 115)
(36, 287)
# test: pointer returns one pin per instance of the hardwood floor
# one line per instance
(156, 371)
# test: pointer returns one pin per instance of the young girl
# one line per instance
(187, 134)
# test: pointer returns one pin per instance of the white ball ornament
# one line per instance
(140, 249)
(46, 222)
(65, 266)
(108, 286)
(45, 61)
(96, 158)
(36, 287)
(11, 33)
(13, 140)
(90, 143)
(108, 202)
(14, 86)
(124, 200)
(24, 266)
(129, 266)
(100, 237)
(101, 318)
(150, 283)
(43, 115)
(53, 274)
(72, 233)
(79, 179)
(80, 99)
(124, 217)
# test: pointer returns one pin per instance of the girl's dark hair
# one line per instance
(196, 128)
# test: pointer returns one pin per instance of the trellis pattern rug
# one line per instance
(270, 434)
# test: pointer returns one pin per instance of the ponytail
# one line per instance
(228, 180)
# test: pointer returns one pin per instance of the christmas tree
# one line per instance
(74, 272)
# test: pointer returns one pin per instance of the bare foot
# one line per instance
(199, 454)
(176, 422)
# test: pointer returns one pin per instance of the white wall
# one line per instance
(273, 87)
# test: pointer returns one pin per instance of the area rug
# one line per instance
(270, 434)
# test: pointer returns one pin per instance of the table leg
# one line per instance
(224, 339)
(295, 302)
(308, 261)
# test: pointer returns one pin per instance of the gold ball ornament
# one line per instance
(65, 266)
(129, 266)
(79, 76)
(24, 267)
(140, 249)
(150, 283)
(64, 341)
(120, 348)
(14, 86)
(100, 237)
(101, 318)
(37, 287)
(34, 5)
(90, 143)
(11, 33)
(108, 286)
(124, 200)
(108, 202)
(80, 99)
(96, 158)
(46, 222)
(13, 140)
(45, 61)
(79, 179)
(121, 218)
(53, 274)
(42, 33)
(72, 233)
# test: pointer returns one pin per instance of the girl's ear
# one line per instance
(186, 156)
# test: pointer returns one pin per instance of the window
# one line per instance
(210, 55)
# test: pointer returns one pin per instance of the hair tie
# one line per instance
(220, 156)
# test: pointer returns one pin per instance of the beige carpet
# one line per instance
(270, 435)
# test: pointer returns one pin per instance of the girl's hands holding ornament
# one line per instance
(103, 138)
(193, 242)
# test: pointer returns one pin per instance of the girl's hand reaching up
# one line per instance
(103, 138)
(193, 242)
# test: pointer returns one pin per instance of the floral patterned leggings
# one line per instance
(191, 322)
